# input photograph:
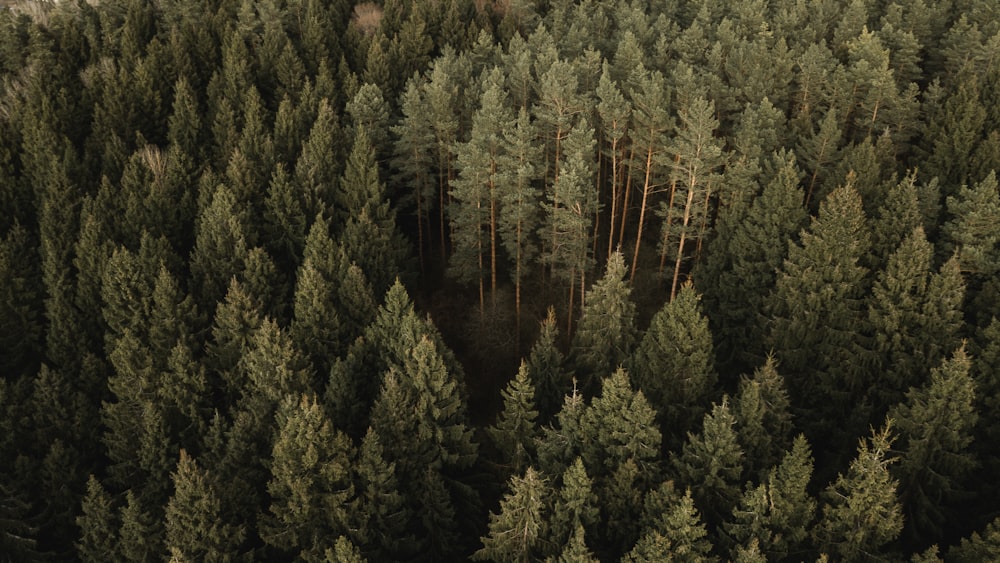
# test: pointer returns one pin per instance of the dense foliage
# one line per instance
(499, 280)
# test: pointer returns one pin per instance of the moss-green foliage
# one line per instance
(205, 209)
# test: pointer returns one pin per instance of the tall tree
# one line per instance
(697, 154)
(516, 428)
(817, 311)
(548, 369)
(861, 511)
(606, 332)
(935, 429)
(517, 530)
(763, 418)
(673, 364)
(194, 530)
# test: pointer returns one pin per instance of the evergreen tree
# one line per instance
(763, 418)
(317, 168)
(414, 161)
(98, 525)
(383, 507)
(673, 363)
(978, 547)
(935, 426)
(861, 513)
(606, 332)
(546, 364)
(516, 531)
(194, 529)
(311, 488)
(515, 430)
(916, 316)
(711, 463)
(817, 315)
(677, 535)
(777, 514)
(140, 538)
(221, 249)
(575, 508)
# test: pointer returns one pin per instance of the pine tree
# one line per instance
(677, 535)
(971, 230)
(615, 116)
(818, 317)
(98, 525)
(763, 418)
(916, 315)
(515, 430)
(194, 528)
(606, 332)
(516, 531)
(519, 201)
(777, 513)
(311, 486)
(861, 513)
(221, 247)
(673, 363)
(935, 426)
(414, 160)
(620, 425)
(317, 170)
(711, 463)
(382, 507)
(547, 367)
(237, 320)
(140, 537)
(978, 547)
(575, 508)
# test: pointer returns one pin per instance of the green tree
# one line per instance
(547, 366)
(935, 426)
(311, 487)
(742, 263)
(383, 508)
(817, 312)
(317, 168)
(978, 547)
(194, 528)
(140, 537)
(778, 513)
(98, 522)
(516, 428)
(673, 363)
(711, 463)
(916, 315)
(21, 330)
(605, 334)
(677, 534)
(615, 116)
(414, 159)
(575, 508)
(861, 512)
(515, 533)
(222, 246)
(763, 418)
(519, 201)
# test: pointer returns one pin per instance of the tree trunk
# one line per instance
(642, 211)
(683, 239)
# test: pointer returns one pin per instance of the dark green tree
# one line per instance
(516, 532)
(673, 364)
(516, 428)
(606, 331)
(677, 534)
(763, 418)
(98, 522)
(861, 511)
(195, 530)
(575, 508)
(935, 425)
(548, 369)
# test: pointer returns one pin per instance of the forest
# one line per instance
(500, 280)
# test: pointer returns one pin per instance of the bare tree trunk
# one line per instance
(642, 211)
(683, 239)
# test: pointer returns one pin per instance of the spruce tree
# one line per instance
(817, 315)
(861, 511)
(678, 534)
(606, 332)
(711, 463)
(673, 363)
(547, 367)
(516, 531)
(516, 428)
(311, 486)
(575, 508)
(194, 528)
(935, 426)
(763, 418)
(98, 522)
(778, 513)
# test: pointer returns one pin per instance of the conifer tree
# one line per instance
(547, 367)
(221, 249)
(141, 535)
(575, 508)
(777, 514)
(194, 529)
(615, 116)
(978, 547)
(737, 278)
(677, 535)
(414, 161)
(916, 315)
(317, 168)
(515, 532)
(817, 314)
(382, 506)
(236, 321)
(515, 430)
(711, 463)
(620, 425)
(935, 426)
(606, 332)
(861, 512)
(763, 418)
(673, 363)
(311, 487)
(98, 522)
(519, 201)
